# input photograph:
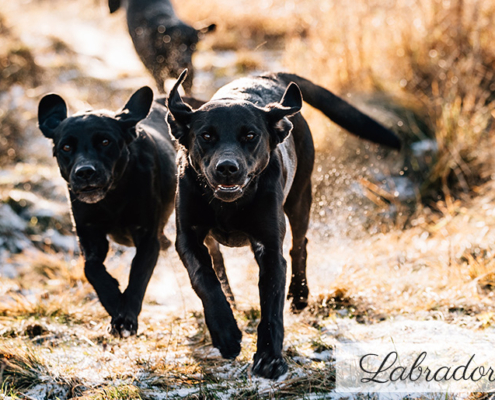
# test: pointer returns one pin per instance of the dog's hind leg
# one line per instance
(219, 267)
(297, 207)
(164, 242)
(159, 76)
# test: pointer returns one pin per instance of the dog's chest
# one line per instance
(230, 239)
(230, 227)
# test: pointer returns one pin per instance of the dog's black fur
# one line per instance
(121, 173)
(240, 170)
(164, 43)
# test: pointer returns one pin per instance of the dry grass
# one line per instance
(435, 56)
(435, 53)
(246, 24)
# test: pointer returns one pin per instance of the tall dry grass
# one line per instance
(436, 56)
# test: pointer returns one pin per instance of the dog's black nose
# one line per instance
(227, 167)
(85, 171)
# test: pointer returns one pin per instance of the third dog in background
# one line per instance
(164, 43)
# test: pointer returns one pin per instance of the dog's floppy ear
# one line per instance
(278, 113)
(136, 109)
(207, 29)
(179, 113)
(113, 5)
(52, 110)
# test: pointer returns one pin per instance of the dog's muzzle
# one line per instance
(88, 185)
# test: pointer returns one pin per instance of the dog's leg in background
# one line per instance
(297, 208)
(188, 83)
(219, 267)
(164, 242)
(143, 264)
(94, 245)
(221, 323)
(159, 76)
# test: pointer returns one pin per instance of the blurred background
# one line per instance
(392, 234)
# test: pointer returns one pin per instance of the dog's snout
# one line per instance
(85, 172)
(227, 167)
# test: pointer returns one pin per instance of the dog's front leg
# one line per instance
(268, 360)
(125, 322)
(94, 246)
(221, 323)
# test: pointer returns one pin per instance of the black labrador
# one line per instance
(121, 173)
(246, 158)
(164, 43)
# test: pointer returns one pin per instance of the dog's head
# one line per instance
(229, 142)
(91, 147)
(174, 45)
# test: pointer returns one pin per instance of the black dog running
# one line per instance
(241, 169)
(164, 43)
(121, 172)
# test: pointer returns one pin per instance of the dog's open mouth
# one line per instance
(91, 194)
(228, 188)
(229, 193)
(90, 189)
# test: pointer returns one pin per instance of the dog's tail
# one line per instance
(342, 113)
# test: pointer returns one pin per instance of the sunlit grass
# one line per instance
(436, 56)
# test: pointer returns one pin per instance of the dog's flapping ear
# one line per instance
(179, 113)
(206, 29)
(136, 109)
(278, 113)
(52, 110)
(113, 5)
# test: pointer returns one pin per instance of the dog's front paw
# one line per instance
(226, 337)
(269, 366)
(298, 304)
(123, 326)
(299, 296)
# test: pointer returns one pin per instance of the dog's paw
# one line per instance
(123, 327)
(268, 366)
(299, 295)
(298, 304)
(227, 339)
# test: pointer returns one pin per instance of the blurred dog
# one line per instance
(247, 158)
(121, 173)
(164, 43)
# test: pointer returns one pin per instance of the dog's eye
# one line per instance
(249, 137)
(207, 137)
(66, 148)
(105, 142)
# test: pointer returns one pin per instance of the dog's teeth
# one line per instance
(225, 187)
